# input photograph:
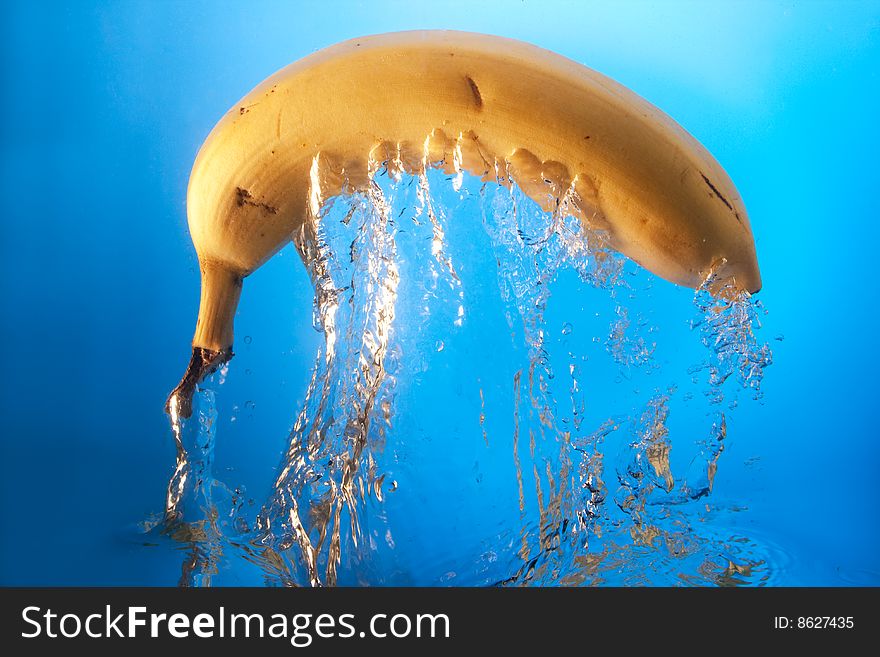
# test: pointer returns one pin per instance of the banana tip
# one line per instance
(202, 364)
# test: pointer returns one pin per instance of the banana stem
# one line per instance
(221, 289)
(212, 342)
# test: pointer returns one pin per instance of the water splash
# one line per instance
(201, 512)
(532, 478)
(727, 325)
(319, 498)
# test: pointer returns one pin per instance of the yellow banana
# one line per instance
(497, 108)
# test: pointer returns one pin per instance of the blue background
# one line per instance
(106, 104)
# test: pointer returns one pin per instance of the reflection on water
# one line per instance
(453, 434)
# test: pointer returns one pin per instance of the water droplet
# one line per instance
(439, 345)
(566, 329)
(248, 339)
(250, 405)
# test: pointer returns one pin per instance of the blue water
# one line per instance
(106, 106)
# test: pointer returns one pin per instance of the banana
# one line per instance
(497, 108)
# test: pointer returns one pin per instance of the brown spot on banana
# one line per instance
(475, 91)
(716, 192)
(244, 197)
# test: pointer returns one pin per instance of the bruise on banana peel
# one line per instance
(500, 109)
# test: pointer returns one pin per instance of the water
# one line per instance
(407, 435)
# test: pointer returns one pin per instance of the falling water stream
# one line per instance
(460, 429)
